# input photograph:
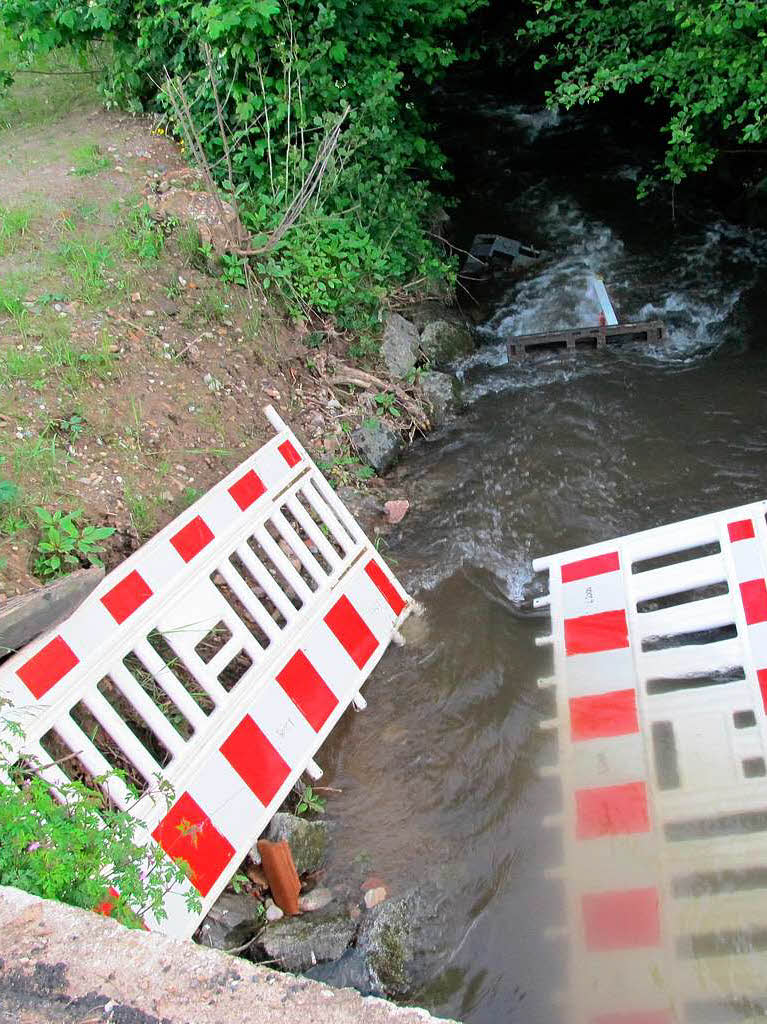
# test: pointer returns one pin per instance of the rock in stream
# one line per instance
(298, 943)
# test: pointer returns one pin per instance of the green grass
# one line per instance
(14, 224)
(52, 356)
(12, 308)
(89, 159)
(188, 240)
(35, 100)
(41, 456)
(87, 263)
(142, 511)
(141, 238)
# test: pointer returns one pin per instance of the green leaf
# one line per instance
(9, 491)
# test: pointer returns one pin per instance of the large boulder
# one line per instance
(308, 840)
(443, 342)
(298, 943)
(386, 941)
(231, 921)
(400, 936)
(378, 444)
(399, 347)
(443, 394)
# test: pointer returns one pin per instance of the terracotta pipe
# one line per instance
(280, 870)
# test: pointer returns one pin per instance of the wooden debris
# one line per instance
(27, 616)
(280, 870)
(594, 337)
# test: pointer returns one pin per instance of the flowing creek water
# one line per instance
(440, 775)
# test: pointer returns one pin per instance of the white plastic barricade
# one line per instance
(216, 659)
(660, 675)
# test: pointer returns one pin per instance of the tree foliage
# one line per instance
(286, 69)
(704, 59)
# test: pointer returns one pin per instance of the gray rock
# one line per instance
(308, 840)
(314, 900)
(442, 342)
(231, 921)
(365, 508)
(443, 393)
(351, 971)
(399, 347)
(386, 941)
(273, 912)
(298, 943)
(378, 444)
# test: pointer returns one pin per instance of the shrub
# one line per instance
(286, 70)
(77, 848)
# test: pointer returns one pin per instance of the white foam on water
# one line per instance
(695, 287)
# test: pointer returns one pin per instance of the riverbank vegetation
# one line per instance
(278, 79)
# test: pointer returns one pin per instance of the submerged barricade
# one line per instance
(659, 645)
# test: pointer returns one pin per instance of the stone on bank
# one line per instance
(443, 342)
(442, 393)
(298, 943)
(400, 345)
(378, 445)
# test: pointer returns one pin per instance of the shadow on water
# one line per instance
(440, 775)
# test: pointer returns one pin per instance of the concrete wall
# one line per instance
(60, 965)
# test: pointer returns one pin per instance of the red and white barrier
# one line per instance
(236, 638)
(660, 652)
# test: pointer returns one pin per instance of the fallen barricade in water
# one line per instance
(659, 641)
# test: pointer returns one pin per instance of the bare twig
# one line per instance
(268, 126)
(175, 91)
(455, 248)
(220, 116)
(309, 188)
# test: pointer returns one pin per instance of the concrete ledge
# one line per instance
(63, 965)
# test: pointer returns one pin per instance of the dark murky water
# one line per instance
(439, 776)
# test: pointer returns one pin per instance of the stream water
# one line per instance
(440, 775)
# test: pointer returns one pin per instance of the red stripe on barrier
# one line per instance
(754, 597)
(589, 634)
(608, 714)
(47, 667)
(192, 538)
(382, 581)
(350, 630)
(129, 594)
(641, 1017)
(586, 567)
(247, 489)
(107, 905)
(254, 758)
(625, 919)
(742, 530)
(308, 690)
(289, 454)
(761, 676)
(611, 811)
(187, 833)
